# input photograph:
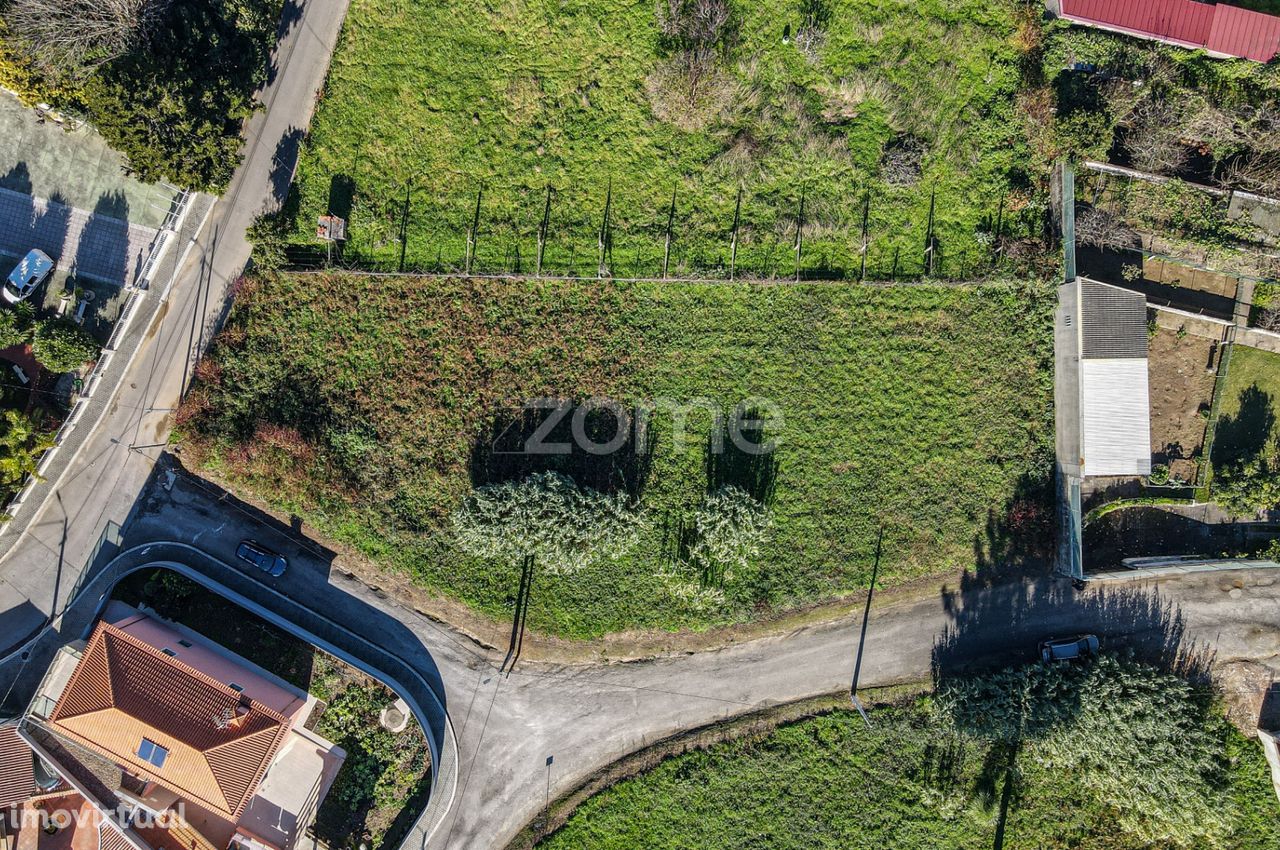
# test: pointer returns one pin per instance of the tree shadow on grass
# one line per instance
(600, 447)
(1245, 435)
(1017, 540)
(739, 452)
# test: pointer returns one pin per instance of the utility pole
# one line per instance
(799, 235)
(471, 235)
(862, 639)
(666, 248)
(866, 212)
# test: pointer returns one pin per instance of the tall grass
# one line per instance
(367, 406)
(429, 105)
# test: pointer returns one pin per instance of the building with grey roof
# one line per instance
(1115, 412)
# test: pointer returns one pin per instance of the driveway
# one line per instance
(95, 245)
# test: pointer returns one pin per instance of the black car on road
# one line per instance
(261, 557)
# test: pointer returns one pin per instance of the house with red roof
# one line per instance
(1220, 29)
(151, 737)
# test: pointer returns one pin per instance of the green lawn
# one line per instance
(1247, 416)
(830, 783)
(368, 406)
(437, 102)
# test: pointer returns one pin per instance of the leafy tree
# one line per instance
(1144, 743)
(62, 346)
(15, 328)
(729, 528)
(175, 107)
(1248, 486)
(547, 517)
(21, 444)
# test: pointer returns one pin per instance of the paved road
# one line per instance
(587, 716)
(37, 575)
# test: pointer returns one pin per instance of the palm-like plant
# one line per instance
(21, 444)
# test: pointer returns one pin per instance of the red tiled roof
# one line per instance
(124, 690)
(17, 778)
(1241, 32)
(1220, 28)
(1181, 21)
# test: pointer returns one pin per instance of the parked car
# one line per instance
(34, 269)
(1069, 649)
(261, 557)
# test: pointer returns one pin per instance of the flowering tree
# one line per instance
(549, 518)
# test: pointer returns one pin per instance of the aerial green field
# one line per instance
(907, 782)
(372, 406)
(904, 102)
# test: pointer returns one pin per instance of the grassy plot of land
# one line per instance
(909, 782)
(371, 407)
(428, 105)
(1246, 442)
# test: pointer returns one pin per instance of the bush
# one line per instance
(21, 444)
(1248, 487)
(546, 517)
(729, 526)
(62, 346)
(1159, 475)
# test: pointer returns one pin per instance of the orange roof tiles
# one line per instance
(124, 690)
(17, 778)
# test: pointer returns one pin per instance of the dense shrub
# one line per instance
(170, 93)
(15, 327)
(21, 444)
(546, 517)
(730, 527)
(62, 346)
(1141, 741)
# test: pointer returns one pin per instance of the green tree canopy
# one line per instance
(21, 444)
(548, 517)
(61, 345)
(15, 328)
(1142, 742)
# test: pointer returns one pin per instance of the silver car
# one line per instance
(34, 269)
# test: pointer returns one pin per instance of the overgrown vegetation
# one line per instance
(640, 115)
(168, 83)
(373, 407)
(1124, 758)
(385, 772)
(1246, 447)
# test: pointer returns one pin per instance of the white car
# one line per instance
(34, 269)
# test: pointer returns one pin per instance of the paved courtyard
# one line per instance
(68, 194)
(93, 245)
(76, 168)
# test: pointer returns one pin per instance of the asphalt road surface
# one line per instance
(40, 571)
(585, 717)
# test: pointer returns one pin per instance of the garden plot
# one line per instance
(1182, 367)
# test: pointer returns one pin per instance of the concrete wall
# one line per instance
(1271, 746)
